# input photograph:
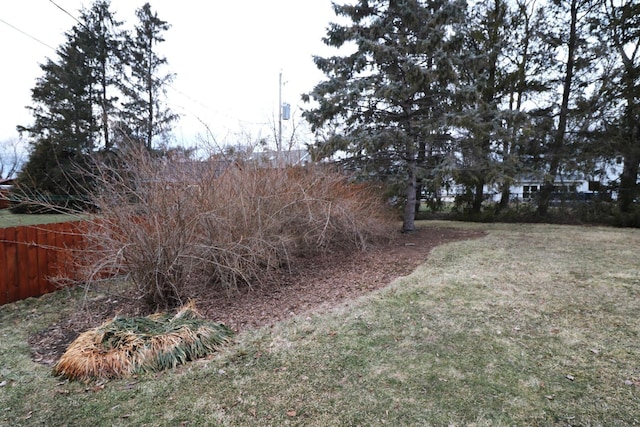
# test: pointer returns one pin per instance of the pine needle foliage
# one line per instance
(124, 346)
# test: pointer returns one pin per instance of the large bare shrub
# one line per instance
(175, 224)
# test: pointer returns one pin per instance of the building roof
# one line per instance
(280, 158)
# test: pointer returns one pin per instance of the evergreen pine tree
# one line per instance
(483, 86)
(104, 43)
(571, 37)
(64, 127)
(621, 25)
(392, 94)
(72, 105)
(527, 59)
(144, 117)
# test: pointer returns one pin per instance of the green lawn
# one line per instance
(8, 219)
(531, 325)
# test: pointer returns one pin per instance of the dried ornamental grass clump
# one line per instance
(125, 346)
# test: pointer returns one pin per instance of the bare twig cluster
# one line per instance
(172, 223)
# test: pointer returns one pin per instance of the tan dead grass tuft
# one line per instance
(123, 346)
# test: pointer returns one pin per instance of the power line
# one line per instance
(218, 112)
(35, 38)
(66, 12)
(173, 88)
(26, 34)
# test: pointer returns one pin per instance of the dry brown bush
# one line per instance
(173, 224)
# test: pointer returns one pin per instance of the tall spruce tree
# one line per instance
(104, 40)
(77, 98)
(144, 117)
(571, 37)
(621, 29)
(483, 85)
(64, 127)
(71, 107)
(392, 94)
(526, 61)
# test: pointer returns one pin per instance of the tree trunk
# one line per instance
(628, 183)
(631, 147)
(558, 142)
(150, 98)
(105, 108)
(151, 112)
(410, 206)
(478, 197)
(504, 197)
(422, 156)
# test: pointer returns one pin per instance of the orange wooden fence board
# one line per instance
(32, 261)
(43, 265)
(11, 266)
(30, 256)
(23, 263)
(4, 290)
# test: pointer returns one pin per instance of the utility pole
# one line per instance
(279, 141)
(284, 113)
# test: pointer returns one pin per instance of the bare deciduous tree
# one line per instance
(11, 158)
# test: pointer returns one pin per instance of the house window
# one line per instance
(529, 191)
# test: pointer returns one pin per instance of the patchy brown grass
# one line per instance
(529, 325)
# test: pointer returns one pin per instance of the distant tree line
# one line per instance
(485, 92)
(105, 89)
(11, 158)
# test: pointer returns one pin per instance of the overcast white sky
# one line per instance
(227, 56)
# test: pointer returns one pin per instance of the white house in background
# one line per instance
(579, 185)
(526, 188)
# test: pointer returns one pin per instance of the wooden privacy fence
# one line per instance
(31, 255)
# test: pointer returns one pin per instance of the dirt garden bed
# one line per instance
(317, 284)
